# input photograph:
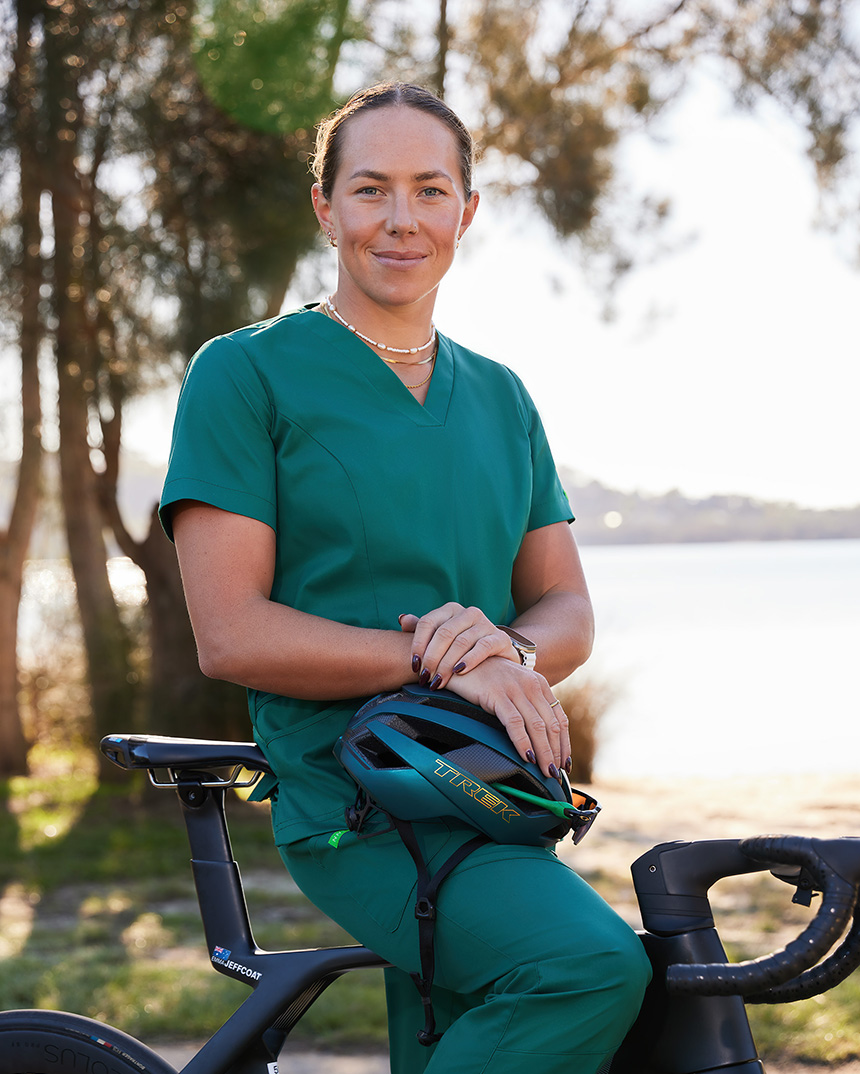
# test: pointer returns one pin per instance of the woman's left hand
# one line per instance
(453, 640)
(524, 704)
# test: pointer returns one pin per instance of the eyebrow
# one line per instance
(381, 177)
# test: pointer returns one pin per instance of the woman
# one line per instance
(357, 502)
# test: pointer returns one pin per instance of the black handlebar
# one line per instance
(792, 973)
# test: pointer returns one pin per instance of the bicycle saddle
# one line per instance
(157, 751)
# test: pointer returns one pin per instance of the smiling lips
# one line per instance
(404, 258)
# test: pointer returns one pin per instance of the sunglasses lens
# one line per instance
(580, 833)
(587, 809)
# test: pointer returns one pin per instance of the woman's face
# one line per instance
(397, 206)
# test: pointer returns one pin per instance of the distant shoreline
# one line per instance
(610, 516)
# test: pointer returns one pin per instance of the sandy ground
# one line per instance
(637, 816)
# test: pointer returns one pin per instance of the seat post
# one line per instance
(220, 895)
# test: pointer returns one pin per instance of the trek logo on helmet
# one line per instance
(481, 794)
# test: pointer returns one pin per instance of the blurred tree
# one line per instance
(226, 223)
(170, 222)
(74, 50)
(20, 299)
(558, 86)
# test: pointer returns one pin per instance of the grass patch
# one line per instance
(825, 1029)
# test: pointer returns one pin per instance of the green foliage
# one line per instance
(270, 65)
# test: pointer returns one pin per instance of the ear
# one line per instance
(322, 209)
(468, 214)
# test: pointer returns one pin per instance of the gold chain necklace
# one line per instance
(329, 305)
(421, 383)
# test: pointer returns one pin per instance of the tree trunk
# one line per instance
(105, 638)
(16, 539)
(443, 40)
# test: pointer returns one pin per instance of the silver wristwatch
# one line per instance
(526, 650)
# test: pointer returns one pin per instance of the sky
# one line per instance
(732, 363)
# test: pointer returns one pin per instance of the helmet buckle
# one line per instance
(425, 910)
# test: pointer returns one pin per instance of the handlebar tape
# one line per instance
(821, 978)
(758, 977)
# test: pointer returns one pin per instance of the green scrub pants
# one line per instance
(534, 971)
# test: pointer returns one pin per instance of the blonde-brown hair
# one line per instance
(326, 159)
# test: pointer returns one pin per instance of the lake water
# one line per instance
(728, 658)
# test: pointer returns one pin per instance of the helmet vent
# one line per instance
(376, 753)
(426, 733)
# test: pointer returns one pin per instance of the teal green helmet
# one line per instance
(423, 754)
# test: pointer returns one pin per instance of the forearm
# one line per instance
(277, 649)
(227, 563)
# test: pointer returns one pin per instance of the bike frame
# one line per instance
(285, 983)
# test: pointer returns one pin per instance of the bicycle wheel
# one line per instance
(53, 1042)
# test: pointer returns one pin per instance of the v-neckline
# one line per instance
(434, 409)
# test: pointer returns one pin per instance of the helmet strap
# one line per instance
(356, 814)
(425, 912)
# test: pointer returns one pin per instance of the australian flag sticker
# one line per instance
(220, 954)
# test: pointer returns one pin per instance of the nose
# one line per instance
(401, 218)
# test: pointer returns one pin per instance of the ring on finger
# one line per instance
(556, 702)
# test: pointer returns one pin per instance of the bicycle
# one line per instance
(693, 1019)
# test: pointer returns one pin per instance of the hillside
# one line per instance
(603, 515)
(609, 516)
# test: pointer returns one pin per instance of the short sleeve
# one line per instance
(222, 451)
(549, 500)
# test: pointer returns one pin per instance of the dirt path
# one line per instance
(321, 1063)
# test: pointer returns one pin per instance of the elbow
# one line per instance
(577, 653)
(217, 658)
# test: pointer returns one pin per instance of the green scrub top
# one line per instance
(381, 505)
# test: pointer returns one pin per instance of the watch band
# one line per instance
(526, 650)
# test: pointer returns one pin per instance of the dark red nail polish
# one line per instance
(459, 667)
(530, 757)
(568, 764)
(436, 683)
(554, 772)
(424, 677)
(416, 663)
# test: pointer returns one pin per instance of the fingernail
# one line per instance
(424, 677)
(416, 663)
(459, 667)
(400, 618)
(530, 757)
(554, 772)
(436, 683)
(568, 764)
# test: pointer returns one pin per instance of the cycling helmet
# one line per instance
(421, 754)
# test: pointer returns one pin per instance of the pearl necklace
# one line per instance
(382, 347)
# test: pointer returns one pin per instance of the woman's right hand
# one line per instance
(523, 702)
(452, 640)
